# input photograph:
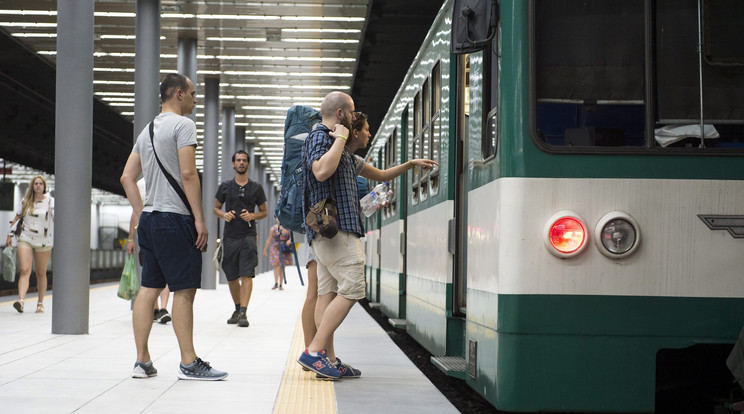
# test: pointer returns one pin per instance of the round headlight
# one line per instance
(566, 234)
(617, 235)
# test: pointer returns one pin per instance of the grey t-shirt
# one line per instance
(172, 131)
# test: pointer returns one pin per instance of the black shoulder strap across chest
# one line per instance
(169, 177)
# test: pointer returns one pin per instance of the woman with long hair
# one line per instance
(35, 220)
(278, 235)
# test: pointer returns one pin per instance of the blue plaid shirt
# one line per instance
(347, 202)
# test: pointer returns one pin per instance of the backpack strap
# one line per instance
(172, 181)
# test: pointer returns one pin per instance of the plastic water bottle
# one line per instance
(375, 200)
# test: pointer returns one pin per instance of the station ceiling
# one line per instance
(267, 55)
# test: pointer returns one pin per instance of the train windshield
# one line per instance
(630, 74)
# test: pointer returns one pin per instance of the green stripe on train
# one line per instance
(595, 353)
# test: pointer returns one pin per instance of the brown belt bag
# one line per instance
(322, 217)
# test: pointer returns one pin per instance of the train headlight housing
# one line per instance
(617, 235)
(565, 234)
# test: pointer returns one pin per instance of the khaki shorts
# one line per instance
(340, 265)
(22, 241)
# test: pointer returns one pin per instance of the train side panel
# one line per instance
(569, 334)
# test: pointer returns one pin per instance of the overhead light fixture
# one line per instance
(34, 34)
(299, 40)
(323, 19)
(27, 24)
(123, 37)
(295, 30)
(237, 39)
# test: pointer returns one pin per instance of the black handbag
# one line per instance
(19, 227)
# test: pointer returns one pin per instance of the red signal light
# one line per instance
(567, 235)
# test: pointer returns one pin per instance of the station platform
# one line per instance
(41, 372)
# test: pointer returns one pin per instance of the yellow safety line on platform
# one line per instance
(49, 295)
(300, 391)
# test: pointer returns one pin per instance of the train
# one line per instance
(579, 247)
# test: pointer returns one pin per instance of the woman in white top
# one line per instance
(35, 239)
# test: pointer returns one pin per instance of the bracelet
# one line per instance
(130, 240)
(341, 136)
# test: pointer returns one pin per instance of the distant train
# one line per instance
(581, 247)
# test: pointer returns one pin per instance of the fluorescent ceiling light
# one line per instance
(113, 82)
(299, 40)
(29, 12)
(257, 124)
(323, 19)
(270, 108)
(277, 58)
(34, 34)
(238, 39)
(27, 24)
(322, 30)
(124, 37)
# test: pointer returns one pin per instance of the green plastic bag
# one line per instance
(129, 284)
(9, 264)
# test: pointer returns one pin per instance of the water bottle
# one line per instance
(375, 200)
(369, 203)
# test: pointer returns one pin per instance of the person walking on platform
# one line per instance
(171, 229)
(33, 227)
(280, 253)
(240, 196)
(358, 138)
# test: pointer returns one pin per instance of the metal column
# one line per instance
(146, 64)
(228, 142)
(73, 166)
(210, 179)
(187, 64)
(240, 138)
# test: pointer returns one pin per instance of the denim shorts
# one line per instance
(169, 253)
(239, 256)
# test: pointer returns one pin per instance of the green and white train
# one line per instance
(581, 246)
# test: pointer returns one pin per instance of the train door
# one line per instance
(403, 213)
(458, 225)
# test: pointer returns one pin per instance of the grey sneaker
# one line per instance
(243, 320)
(234, 318)
(163, 316)
(200, 370)
(142, 370)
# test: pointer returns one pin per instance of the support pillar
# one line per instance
(210, 179)
(73, 166)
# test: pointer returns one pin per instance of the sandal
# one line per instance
(18, 305)
(39, 308)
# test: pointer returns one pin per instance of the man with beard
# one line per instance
(240, 253)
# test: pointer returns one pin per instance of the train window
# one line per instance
(415, 176)
(392, 161)
(589, 72)
(678, 73)
(490, 101)
(425, 136)
(436, 133)
(424, 154)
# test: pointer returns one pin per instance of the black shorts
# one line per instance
(239, 256)
(169, 253)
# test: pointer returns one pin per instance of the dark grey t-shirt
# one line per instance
(236, 198)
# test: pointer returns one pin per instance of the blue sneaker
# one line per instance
(142, 370)
(347, 371)
(319, 364)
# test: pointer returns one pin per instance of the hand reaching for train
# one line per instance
(423, 163)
